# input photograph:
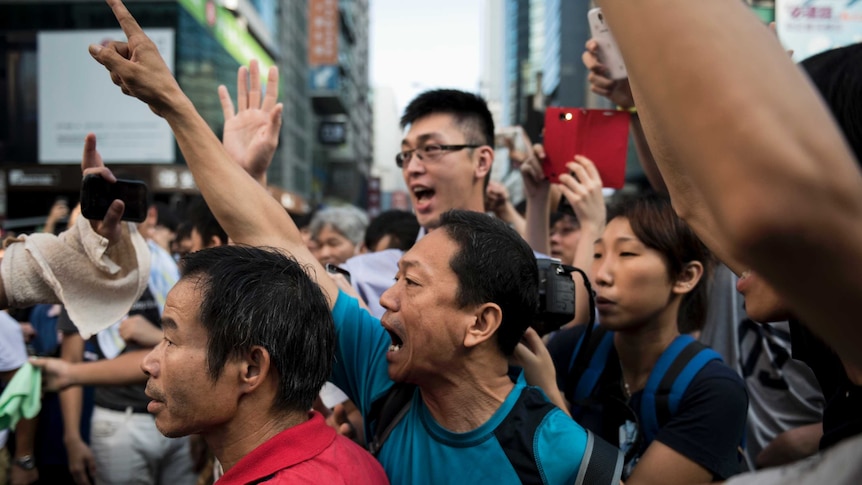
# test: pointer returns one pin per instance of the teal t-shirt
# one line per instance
(527, 440)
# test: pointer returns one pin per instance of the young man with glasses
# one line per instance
(445, 159)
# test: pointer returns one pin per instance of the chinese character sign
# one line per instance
(809, 27)
(322, 32)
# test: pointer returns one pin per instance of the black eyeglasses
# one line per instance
(428, 152)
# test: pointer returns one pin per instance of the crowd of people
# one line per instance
(711, 333)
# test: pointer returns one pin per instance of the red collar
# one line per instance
(291, 446)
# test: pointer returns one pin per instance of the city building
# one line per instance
(339, 89)
(53, 93)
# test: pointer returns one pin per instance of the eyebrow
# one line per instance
(617, 240)
(422, 138)
(169, 323)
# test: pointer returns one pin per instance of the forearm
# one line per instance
(583, 260)
(120, 371)
(645, 156)
(768, 138)
(791, 445)
(510, 216)
(245, 210)
(758, 145)
(538, 218)
(71, 402)
(25, 437)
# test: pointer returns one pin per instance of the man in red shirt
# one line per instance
(248, 343)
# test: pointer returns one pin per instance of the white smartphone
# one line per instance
(609, 53)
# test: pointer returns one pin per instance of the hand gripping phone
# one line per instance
(609, 54)
(97, 194)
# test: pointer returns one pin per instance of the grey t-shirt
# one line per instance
(783, 393)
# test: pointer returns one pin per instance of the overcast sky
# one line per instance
(420, 44)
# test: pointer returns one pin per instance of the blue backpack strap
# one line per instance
(668, 381)
(583, 377)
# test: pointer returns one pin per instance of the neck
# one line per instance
(234, 440)
(465, 399)
(639, 349)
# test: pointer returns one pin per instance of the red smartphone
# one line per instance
(598, 134)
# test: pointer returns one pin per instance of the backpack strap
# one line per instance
(668, 381)
(588, 363)
(387, 411)
(602, 462)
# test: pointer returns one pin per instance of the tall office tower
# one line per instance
(338, 83)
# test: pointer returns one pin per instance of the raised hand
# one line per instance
(137, 67)
(617, 91)
(251, 131)
(583, 189)
(91, 164)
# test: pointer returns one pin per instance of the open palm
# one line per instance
(251, 131)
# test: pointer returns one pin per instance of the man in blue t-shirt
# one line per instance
(462, 298)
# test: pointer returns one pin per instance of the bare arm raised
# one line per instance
(746, 128)
(242, 206)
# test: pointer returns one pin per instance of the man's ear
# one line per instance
(486, 321)
(215, 242)
(688, 277)
(485, 160)
(255, 368)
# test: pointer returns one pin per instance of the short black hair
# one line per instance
(470, 112)
(494, 264)
(167, 216)
(261, 297)
(401, 227)
(204, 222)
(837, 74)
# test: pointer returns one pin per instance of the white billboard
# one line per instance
(808, 27)
(77, 96)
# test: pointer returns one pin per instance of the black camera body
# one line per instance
(556, 295)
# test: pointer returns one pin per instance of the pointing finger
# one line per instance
(127, 22)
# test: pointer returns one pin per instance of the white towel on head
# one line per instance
(97, 282)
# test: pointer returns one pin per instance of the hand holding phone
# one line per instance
(600, 135)
(97, 194)
(609, 53)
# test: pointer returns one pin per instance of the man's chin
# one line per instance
(429, 221)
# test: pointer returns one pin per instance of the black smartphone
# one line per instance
(335, 270)
(97, 195)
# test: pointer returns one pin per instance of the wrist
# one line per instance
(71, 438)
(26, 462)
(178, 109)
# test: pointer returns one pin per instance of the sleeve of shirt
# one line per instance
(360, 367)
(13, 351)
(372, 274)
(709, 425)
(560, 446)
